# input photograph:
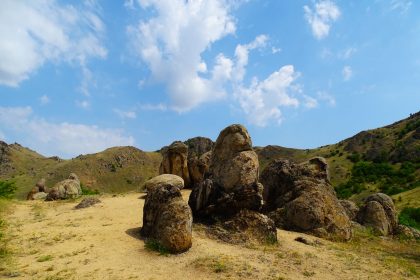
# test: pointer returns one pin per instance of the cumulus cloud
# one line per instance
(347, 73)
(261, 101)
(321, 17)
(171, 44)
(84, 104)
(63, 139)
(36, 32)
(310, 102)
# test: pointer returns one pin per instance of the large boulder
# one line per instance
(69, 188)
(175, 161)
(300, 197)
(39, 188)
(231, 183)
(167, 218)
(379, 213)
(170, 179)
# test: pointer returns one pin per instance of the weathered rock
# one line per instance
(379, 213)
(300, 197)
(244, 228)
(39, 196)
(31, 193)
(373, 215)
(170, 179)
(233, 161)
(232, 179)
(198, 167)
(198, 146)
(351, 209)
(69, 188)
(41, 185)
(408, 232)
(167, 218)
(175, 161)
(87, 202)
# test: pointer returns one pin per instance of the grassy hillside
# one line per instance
(386, 159)
(116, 169)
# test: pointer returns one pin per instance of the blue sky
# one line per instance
(78, 78)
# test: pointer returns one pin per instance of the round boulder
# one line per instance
(169, 179)
(167, 218)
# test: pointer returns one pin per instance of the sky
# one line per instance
(78, 77)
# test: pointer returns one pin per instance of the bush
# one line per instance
(410, 217)
(7, 189)
(88, 191)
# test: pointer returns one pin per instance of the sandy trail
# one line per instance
(51, 240)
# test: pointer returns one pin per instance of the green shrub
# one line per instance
(7, 189)
(410, 217)
(88, 191)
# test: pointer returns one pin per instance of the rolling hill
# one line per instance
(385, 159)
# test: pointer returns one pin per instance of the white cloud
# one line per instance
(171, 44)
(44, 100)
(401, 5)
(63, 139)
(320, 19)
(261, 101)
(310, 102)
(125, 114)
(325, 96)
(347, 73)
(36, 32)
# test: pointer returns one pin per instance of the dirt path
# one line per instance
(51, 240)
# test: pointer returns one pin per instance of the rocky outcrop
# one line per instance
(167, 218)
(379, 213)
(38, 192)
(69, 188)
(169, 179)
(244, 228)
(231, 183)
(175, 161)
(351, 209)
(300, 197)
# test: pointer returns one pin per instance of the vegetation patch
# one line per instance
(154, 245)
(410, 217)
(7, 189)
(390, 179)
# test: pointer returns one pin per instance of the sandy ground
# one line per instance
(52, 240)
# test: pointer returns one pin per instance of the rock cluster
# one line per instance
(69, 188)
(230, 196)
(40, 191)
(199, 153)
(379, 213)
(167, 218)
(232, 180)
(300, 197)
